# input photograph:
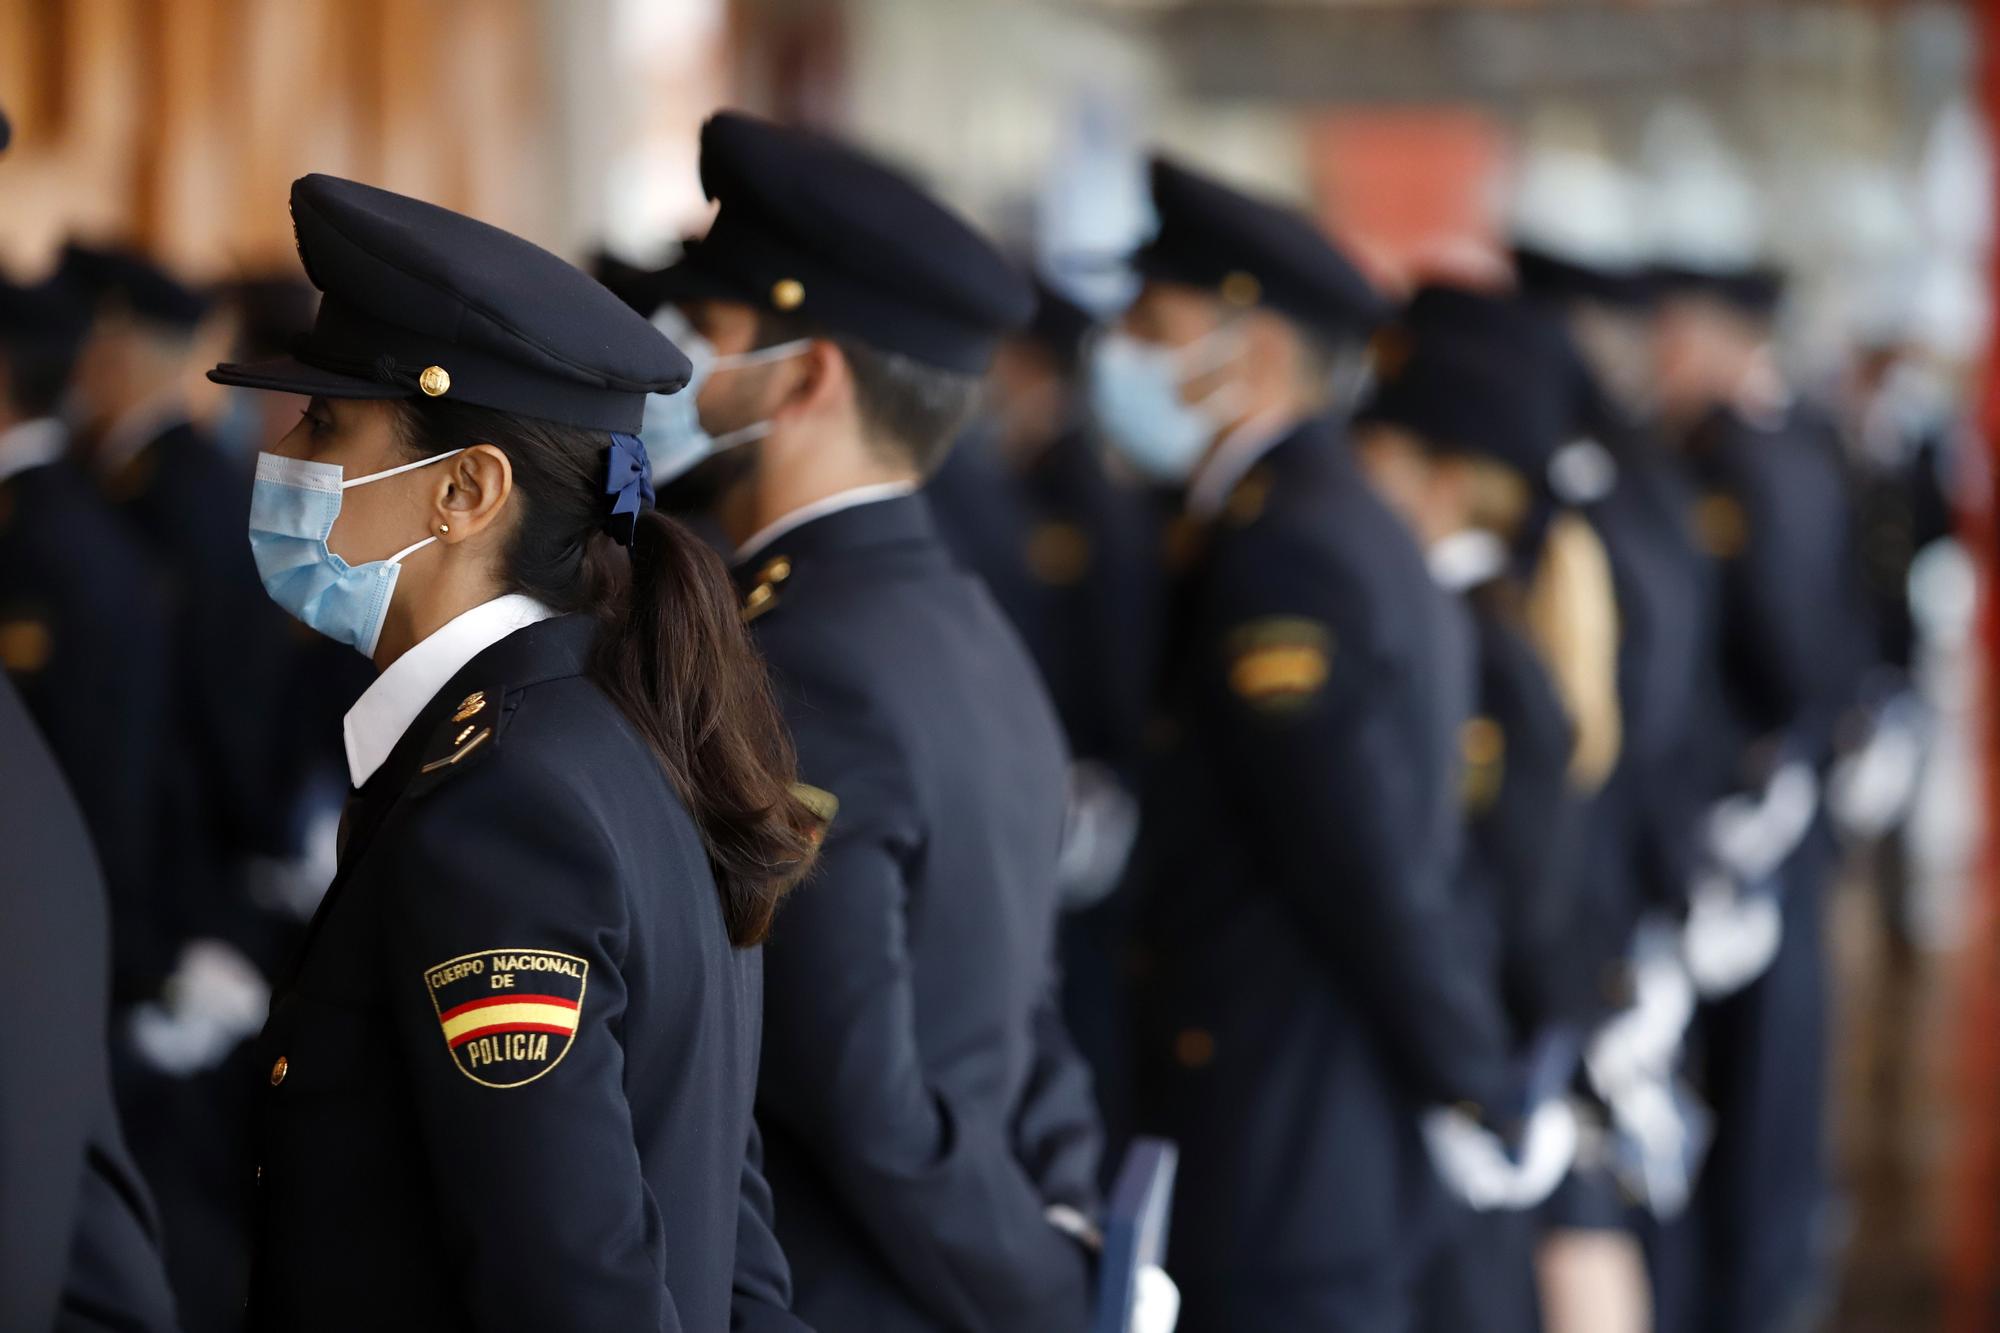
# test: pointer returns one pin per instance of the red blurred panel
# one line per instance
(1973, 1286)
(1410, 191)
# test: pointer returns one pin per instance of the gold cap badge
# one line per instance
(787, 293)
(434, 381)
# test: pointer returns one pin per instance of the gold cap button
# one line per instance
(434, 381)
(787, 293)
(1241, 288)
(279, 1070)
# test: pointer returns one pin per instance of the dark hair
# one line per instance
(913, 408)
(671, 651)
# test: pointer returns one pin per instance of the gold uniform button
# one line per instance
(434, 381)
(1194, 1048)
(788, 293)
(279, 1070)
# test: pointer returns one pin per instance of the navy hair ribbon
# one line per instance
(628, 480)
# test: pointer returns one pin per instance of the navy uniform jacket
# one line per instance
(509, 1085)
(84, 639)
(1642, 834)
(920, 1100)
(1525, 821)
(1305, 990)
(1773, 511)
(1065, 551)
(79, 1243)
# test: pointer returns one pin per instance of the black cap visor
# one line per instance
(287, 374)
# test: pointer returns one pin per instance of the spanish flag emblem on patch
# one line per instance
(508, 1015)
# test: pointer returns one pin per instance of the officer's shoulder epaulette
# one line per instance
(466, 735)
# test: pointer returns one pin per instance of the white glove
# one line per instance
(1643, 1040)
(1872, 788)
(1156, 1306)
(1730, 937)
(1752, 836)
(1101, 825)
(1475, 1165)
(214, 999)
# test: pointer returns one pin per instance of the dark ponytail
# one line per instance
(671, 650)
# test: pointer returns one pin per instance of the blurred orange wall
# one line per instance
(179, 125)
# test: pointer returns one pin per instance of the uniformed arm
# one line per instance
(546, 1218)
(1785, 593)
(1057, 1133)
(1359, 839)
(761, 1294)
(1532, 839)
(939, 1193)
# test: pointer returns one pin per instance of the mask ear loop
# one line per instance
(407, 467)
(413, 547)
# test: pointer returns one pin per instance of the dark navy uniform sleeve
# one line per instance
(943, 1200)
(1312, 708)
(505, 944)
(1056, 1131)
(761, 1294)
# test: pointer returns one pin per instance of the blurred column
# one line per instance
(1973, 1295)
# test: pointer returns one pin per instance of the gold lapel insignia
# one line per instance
(469, 706)
(763, 594)
(485, 733)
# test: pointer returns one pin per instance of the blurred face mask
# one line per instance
(673, 434)
(1135, 395)
(293, 505)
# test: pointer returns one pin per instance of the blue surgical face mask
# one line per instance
(673, 434)
(1135, 396)
(292, 508)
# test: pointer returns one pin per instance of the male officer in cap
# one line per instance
(1304, 996)
(932, 1143)
(1773, 512)
(1026, 501)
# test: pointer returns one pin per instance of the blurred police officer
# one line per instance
(509, 1083)
(1773, 512)
(79, 1245)
(81, 634)
(1025, 500)
(1457, 435)
(1304, 992)
(933, 1145)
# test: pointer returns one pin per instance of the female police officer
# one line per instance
(510, 1081)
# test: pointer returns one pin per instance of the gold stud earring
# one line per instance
(444, 527)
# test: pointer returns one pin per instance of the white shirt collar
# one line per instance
(1231, 459)
(31, 444)
(388, 707)
(1466, 559)
(820, 508)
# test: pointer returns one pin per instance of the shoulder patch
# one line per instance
(508, 1015)
(1279, 663)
